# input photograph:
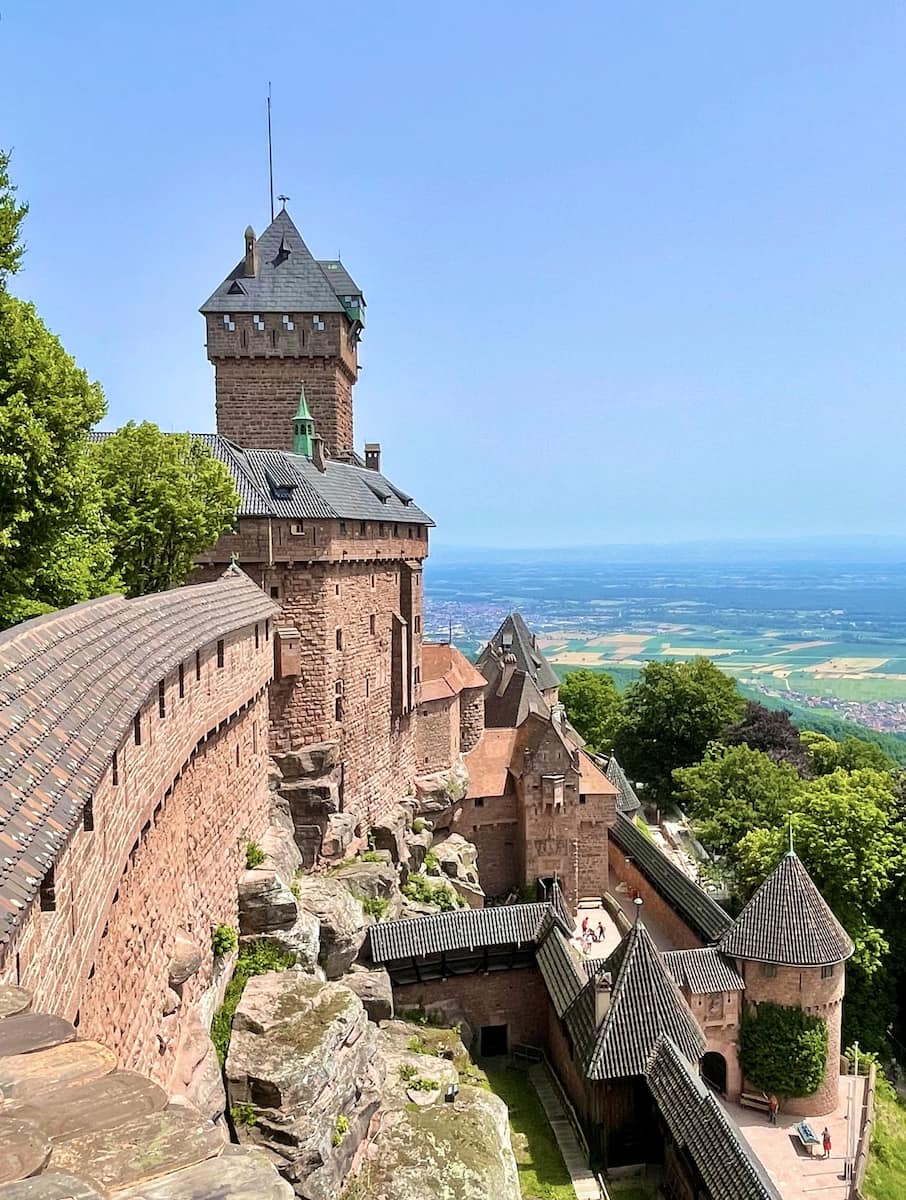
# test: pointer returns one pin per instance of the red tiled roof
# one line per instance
(489, 762)
(593, 781)
(70, 684)
(446, 672)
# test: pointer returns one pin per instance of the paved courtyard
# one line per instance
(797, 1175)
(596, 917)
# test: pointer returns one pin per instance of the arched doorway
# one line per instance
(714, 1071)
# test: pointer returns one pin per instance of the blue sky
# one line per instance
(634, 272)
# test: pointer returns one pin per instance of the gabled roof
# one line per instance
(70, 685)
(515, 637)
(463, 929)
(700, 1126)
(788, 922)
(593, 781)
(703, 971)
(488, 764)
(701, 912)
(560, 969)
(446, 672)
(627, 801)
(645, 1003)
(289, 278)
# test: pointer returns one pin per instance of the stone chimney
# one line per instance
(251, 253)
(318, 456)
(506, 672)
(603, 987)
(373, 456)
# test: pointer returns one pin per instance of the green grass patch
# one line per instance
(256, 959)
(542, 1172)
(887, 1160)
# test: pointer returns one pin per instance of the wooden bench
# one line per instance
(754, 1100)
(808, 1137)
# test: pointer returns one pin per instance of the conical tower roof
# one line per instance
(788, 922)
(645, 1004)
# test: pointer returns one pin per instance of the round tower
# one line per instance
(792, 950)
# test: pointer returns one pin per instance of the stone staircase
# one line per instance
(585, 1185)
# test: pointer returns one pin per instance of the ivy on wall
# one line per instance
(783, 1050)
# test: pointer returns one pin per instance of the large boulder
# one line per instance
(437, 794)
(186, 959)
(389, 833)
(339, 834)
(265, 902)
(417, 845)
(373, 881)
(374, 990)
(309, 762)
(303, 1078)
(341, 917)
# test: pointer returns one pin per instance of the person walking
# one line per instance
(826, 1142)
(584, 926)
(773, 1106)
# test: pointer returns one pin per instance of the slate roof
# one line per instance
(520, 698)
(700, 911)
(276, 483)
(703, 971)
(290, 279)
(516, 637)
(699, 1124)
(560, 970)
(627, 800)
(645, 1003)
(788, 922)
(70, 685)
(463, 929)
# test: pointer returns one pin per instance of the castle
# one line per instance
(146, 742)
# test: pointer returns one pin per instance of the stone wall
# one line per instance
(437, 734)
(471, 720)
(719, 1015)
(517, 999)
(342, 585)
(821, 997)
(491, 824)
(259, 373)
(164, 854)
(660, 912)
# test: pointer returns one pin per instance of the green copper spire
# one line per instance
(303, 428)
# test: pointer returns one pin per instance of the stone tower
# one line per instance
(283, 321)
(791, 950)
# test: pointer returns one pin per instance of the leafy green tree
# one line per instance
(670, 714)
(783, 1049)
(851, 754)
(48, 504)
(11, 217)
(593, 705)
(165, 499)
(733, 790)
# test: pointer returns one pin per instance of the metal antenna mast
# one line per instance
(270, 149)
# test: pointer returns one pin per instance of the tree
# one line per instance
(851, 754)
(165, 498)
(772, 732)
(783, 1049)
(592, 704)
(11, 218)
(670, 714)
(47, 501)
(733, 790)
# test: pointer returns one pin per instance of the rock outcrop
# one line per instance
(341, 919)
(374, 990)
(268, 907)
(375, 881)
(426, 1148)
(302, 1076)
(436, 795)
(307, 783)
(458, 860)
